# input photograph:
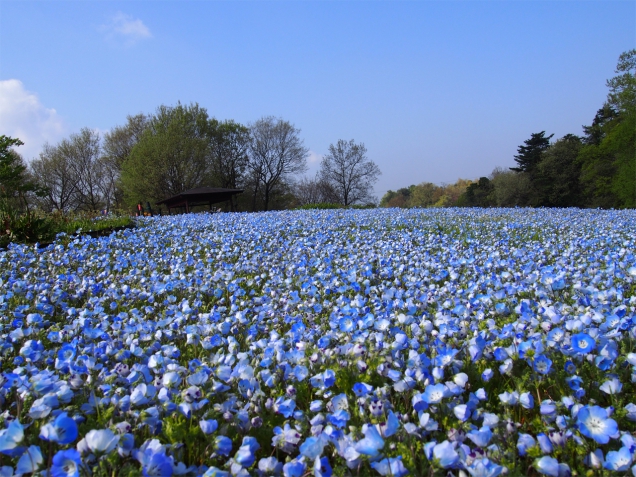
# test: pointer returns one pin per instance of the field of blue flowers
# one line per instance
(339, 342)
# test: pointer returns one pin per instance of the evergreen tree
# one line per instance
(529, 155)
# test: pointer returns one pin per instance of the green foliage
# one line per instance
(23, 227)
(171, 156)
(559, 172)
(608, 161)
(322, 205)
(426, 194)
(36, 226)
(478, 194)
(529, 154)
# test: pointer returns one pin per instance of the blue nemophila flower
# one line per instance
(570, 367)
(619, 461)
(286, 438)
(270, 466)
(445, 455)
(222, 445)
(246, 454)
(63, 430)
(285, 406)
(11, 437)
(545, 444)
(29, 461)
(434, 393)
(294, 468)
(526, 400)
(487, 375)
(371, 443)
(312, 447)
(322, 467)
(542, 364)
(594, 422)
(480, 437)
(362, 389)
(98, 441)
(339, 418)
(324, 380)
(391, 425)
(208, 426)
(612, 386)
(550, 466)
(463, 412)
(582, 343)
(392, 466)
(525, 442)
(509, 398)
(484, 467)
(66, 463)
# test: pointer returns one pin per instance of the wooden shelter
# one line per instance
(199, 196)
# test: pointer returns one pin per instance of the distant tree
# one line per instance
(529, 155)
(621, 140)
(422, 195)
(84, 152)
(608, 167)
(276, 153)
(559, 171)
(15, 181)
(511, 189)
(349, 172)
(172, 155)
(230, 146)
(72, 172)
(120, 141)
(54, 172)
(594, 134)
(117, 146)
(400, 198)
(314, 191)
(479, 194)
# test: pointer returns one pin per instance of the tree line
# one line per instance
(152, 157)
(596, 169)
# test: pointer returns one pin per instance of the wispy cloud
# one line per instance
(314, 158)
(126, 29)
(22, 115)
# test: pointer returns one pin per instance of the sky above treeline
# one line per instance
(436, 90)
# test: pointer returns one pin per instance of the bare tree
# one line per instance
(83, 151)
(72, 172)
(314, 191)
(230, 145)
(347, 169)
(53, 172)
(276, 152)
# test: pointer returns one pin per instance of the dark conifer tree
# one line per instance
(530, 155)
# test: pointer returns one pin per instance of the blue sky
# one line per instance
(436, 90)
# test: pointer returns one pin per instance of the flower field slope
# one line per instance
(326, 342)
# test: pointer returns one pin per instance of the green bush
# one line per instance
(35, 226)
(27, 227)
(321, 205)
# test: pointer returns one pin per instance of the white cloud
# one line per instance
(23, 116)
(314, 158)
(122, 27)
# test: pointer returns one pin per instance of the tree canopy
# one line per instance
(349, 172)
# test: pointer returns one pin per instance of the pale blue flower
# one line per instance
(618, 461)
(445, 454)
(391, 466)
(593, 422)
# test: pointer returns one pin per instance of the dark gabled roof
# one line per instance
(200, 195)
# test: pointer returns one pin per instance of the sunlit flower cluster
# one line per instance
(339, 342)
